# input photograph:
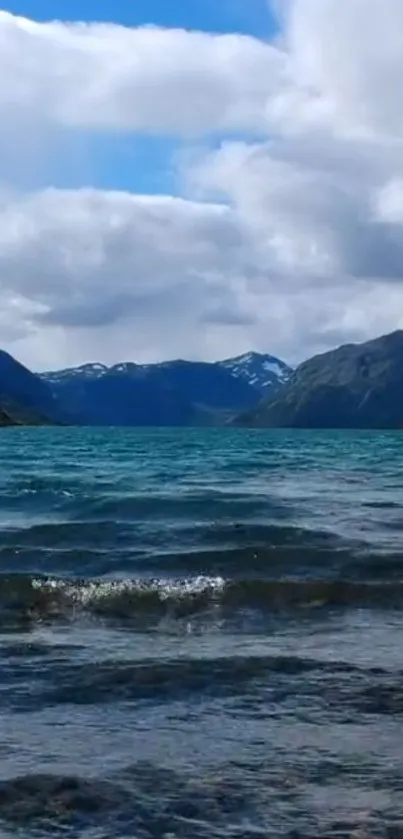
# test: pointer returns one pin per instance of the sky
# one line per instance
(199, 179)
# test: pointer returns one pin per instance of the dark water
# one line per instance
(201, 634)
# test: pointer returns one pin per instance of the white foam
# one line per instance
(91, 591)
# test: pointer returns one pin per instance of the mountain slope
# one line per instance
(354, 386)
(261, 371)
(24, 394)
(204, 384)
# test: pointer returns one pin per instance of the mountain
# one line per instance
(170, 393)
(24, 397)
(354, 386)
(261, 371)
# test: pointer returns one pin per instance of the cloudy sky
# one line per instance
(199, 178)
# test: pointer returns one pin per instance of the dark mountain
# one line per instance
(12, 414)
(261, 371)
(171, 393)
(355, 386)
(24, 396)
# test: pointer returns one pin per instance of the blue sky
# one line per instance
(139, 163)
(251, 16)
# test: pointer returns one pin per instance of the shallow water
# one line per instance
(201, 634)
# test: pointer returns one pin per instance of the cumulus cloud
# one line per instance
(152, 268)
(292, 243)
(337, 66)
(317, 209)
(106, 76)
(110, 275)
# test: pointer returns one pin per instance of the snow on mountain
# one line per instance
(125, 367)
(260, 370)
(85, 371)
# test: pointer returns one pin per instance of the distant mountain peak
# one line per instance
(261, 370)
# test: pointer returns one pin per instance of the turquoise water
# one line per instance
(201, 633)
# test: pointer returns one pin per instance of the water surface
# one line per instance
(201, 634)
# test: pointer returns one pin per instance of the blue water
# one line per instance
(201, 634)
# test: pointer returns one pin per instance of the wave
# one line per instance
(79, 500)
(223, 547)
(24, 599)
(35, 798)
(161, 681)
(142, 800)
(236, 800)
(257, 685)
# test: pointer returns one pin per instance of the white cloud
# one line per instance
(291, 244)
(314, 208)
(106, 76)
(94, 274)
(155, 274)
(336, 67)
(346, 56)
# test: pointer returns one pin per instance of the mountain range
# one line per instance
(354, 386)
(172, 393)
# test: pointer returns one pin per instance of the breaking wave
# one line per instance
(25, 598)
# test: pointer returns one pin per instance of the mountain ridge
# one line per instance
(177, 392)
(260, 370)
(352, 386)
